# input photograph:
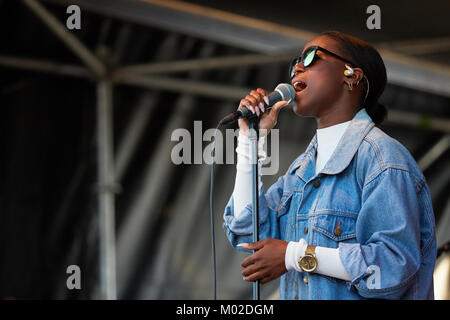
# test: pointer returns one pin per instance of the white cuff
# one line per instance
(328, 261)
(294, 251)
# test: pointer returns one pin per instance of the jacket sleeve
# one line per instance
(240, 230)
(386, 259)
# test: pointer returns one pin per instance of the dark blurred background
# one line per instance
(109, 95)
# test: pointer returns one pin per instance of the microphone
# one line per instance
(283, 92)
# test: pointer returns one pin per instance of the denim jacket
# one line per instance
(370, 200)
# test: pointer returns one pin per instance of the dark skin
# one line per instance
(328, 99)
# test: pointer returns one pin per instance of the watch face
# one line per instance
(308, 263)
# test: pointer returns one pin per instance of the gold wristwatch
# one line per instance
(308, 262)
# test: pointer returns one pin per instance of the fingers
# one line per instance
(254, 101)
(253, 246)
(257, 271)
(276, 109)
(254, 271)
(262, 276)
(251, 259)
(258, 96)
(264, 94)
(246, 103)
(266, 279)
(251, 269)
(256, 276)
(277, 106)
(267, 263)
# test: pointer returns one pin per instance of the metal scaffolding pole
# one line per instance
(107, 239)
(107, 187)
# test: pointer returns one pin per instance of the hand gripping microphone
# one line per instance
(283, 92)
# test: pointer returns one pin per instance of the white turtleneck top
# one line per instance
(327, 141)
(328, 261)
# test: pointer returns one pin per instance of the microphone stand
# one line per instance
(253, 136)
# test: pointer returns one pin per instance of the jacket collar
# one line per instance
(358, 128)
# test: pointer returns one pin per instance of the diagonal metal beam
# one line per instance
(418, 46)
(186, 86)
(46, 66)
(417, 73)
(418, 120)
(69, 39)
(203, 22)
(435, 152)
(202, 64)
(133, 133)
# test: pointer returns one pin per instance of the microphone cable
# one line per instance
(211, 214)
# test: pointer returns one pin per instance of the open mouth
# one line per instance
(299, 86)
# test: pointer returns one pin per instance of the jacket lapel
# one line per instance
(358, 128)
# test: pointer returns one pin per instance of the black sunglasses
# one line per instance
(309, 56)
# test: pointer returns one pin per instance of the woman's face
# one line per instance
(324, 80)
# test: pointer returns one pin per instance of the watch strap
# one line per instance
(311, 250)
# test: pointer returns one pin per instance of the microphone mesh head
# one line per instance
(286, 90)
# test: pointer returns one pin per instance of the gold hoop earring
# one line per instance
(350, 86)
